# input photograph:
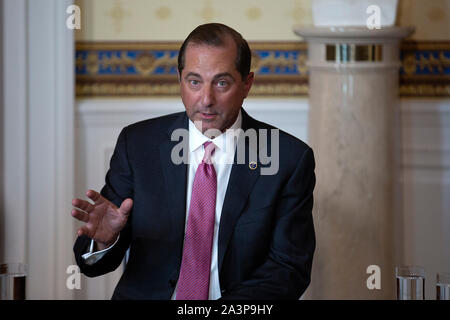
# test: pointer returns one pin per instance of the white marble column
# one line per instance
(353, 90)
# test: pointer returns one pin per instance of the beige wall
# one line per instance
(265, 20)
(162, 20)
(430, 17)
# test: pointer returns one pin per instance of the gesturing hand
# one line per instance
(103, 219)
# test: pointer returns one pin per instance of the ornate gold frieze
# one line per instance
(150, 68)
(425, 69)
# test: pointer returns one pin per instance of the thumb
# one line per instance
(126, 206)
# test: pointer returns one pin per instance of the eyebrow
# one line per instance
(192, 74)
(223, 74)
(219, 75)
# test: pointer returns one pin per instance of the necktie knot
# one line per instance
(209, 151)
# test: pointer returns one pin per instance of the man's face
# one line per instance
(212, 89)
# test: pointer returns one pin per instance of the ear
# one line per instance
(248, 83)
(179, 76)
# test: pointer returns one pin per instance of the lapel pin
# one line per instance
(252, 165)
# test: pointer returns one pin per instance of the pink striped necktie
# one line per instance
(193, 283)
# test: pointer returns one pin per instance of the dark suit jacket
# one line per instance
(266, 234)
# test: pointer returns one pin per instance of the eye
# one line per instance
(222, 83)
(194, 82)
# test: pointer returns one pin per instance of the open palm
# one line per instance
(103, 219)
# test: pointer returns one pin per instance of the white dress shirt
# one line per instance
(222, 160)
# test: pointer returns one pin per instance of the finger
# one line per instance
(95, 196)
(126, 206)
(83, 205)
(83, 231)
(80, 215)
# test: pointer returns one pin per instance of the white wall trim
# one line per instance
(112, 112)
(65, 146)
(15, 131)
(425, 182)
(425, 133)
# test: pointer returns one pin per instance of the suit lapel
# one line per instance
(175, 176)
(240, 184)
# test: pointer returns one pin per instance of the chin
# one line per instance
(210, 127)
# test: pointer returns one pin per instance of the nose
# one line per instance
(208, 98)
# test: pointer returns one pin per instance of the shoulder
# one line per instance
(290, 147)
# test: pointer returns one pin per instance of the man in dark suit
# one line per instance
(205, 228)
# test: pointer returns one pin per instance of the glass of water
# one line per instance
(12, 281)
(410, 283)
(443, 286)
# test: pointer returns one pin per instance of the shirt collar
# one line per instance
(197, 139)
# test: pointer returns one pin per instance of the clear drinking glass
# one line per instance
(410, 283)
(443, 286)
(12, 281)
